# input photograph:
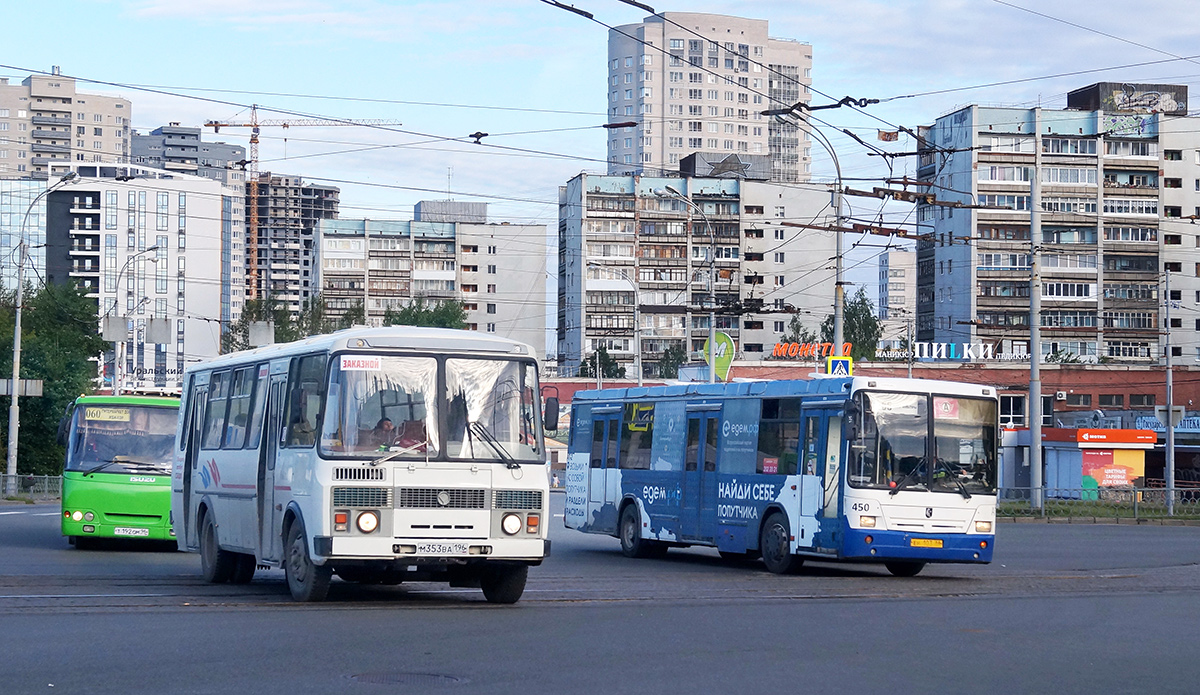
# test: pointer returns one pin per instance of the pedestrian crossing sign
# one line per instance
(839, 366)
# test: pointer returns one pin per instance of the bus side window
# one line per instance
(597, 457)
(304, 400)
(214, 421)
(614, 442)
(812, 458)
(240, 393)
(693, 443)
(259, 407)
(710, 450)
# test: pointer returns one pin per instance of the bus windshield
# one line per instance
(122, 439)
(924, 442)
(390, 405)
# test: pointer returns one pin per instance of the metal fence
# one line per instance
(38, 487)
(1100, 503)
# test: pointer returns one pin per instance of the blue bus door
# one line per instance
(603, 471)
(822, 458)
(698, 519)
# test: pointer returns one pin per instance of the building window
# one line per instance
(491, 328)
(1111, 400)
(491, 308)
(491, 289)
(491, 270)
(1142, 400)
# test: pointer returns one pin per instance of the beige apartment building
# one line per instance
(46, 126)
(698, 83)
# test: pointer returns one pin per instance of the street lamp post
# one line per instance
(118, 342)
(712, 271)
(14, 409)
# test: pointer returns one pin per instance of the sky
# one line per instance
(533, 77)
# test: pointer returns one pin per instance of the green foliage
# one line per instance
(59, 345)
(442, 314)
(672, 358)
(860, 327)
(312, 319)
(797, 332)
(609, 367)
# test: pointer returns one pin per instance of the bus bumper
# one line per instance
(86, 529)
(419, 549)
(921, 547)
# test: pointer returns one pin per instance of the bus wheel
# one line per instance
(632, 543)
(775, 543)
(904, 569)
(243, 569)
(503, 583)
(216, 565)
(308, 582)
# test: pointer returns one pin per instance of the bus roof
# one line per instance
(783, 388)
(397, 337)
(160, 401)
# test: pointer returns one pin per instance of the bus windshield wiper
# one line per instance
(481, 431)
(962, 489)
(111, 462)
(905, 479)
(397, 452)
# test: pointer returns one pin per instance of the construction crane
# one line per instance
(252, 171)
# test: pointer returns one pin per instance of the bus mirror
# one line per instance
(852, 420)
(63, 426)
(550, 420)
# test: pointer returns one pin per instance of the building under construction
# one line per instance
(288, 211)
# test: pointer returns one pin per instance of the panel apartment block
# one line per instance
(695, 82)
(46, 127)
(627, 247)
(1119, 192)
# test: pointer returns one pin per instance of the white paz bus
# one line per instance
(376, 454)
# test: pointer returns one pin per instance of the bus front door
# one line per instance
(270, 544)
(603, 474)
(698, 518)
(823, 460)
(187, 536)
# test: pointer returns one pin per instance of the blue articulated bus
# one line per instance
(896, 471)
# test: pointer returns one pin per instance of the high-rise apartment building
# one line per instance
(46, 127)
(288, 213)
(1115, 181)
(498, 271)
(149, 244)
(699, 82)
(638, 263)
(896, 308)
(178, 148)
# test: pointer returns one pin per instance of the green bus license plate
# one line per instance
(925, 542)
(126, 531)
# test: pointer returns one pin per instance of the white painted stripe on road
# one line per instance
(559, 516)
(83, 596)
(47, 514)
(8, 513)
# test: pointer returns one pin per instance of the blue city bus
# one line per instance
(897, 471)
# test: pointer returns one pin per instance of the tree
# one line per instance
(442, 314)
(59, 345)
(860, 327)
(672, 358)
(797, 332)
(256, 310)
(609, 367)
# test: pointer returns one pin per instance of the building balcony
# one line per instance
(51, 120)
(52, 134)
(50, 149)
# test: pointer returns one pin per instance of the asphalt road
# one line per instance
(1063, 609)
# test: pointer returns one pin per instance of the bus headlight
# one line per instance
(89, 516)
(983, 526)
(367, 522)
(511, 524)
(77, 516)
(866, 521)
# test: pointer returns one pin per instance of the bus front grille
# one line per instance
(362, 497)
(517, 499)
(440, 498)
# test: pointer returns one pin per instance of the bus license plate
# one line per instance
(441, 548)
(126, 531)
(925, 542)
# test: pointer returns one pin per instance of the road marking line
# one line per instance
(83, 596)
(8, 513)
(47, 514)
(559, 516)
